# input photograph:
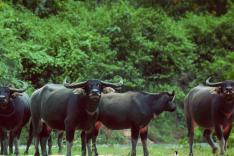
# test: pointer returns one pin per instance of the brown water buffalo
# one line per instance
(131, 110)
(14, 114)
(64, 108)
(210, 107)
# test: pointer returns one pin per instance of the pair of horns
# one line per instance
(82, 84)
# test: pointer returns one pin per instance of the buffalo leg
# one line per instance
(11, 140)
(83, 143)
(15, 135)
(220, 136)
(30, 138)
(49, 144)
(2, 146)
(70, 131)
(5, 143)
(59, 141)
(190, 126)
(43, 141)
(94, 137)
(207, 136)
(16, 141)
(16, 146)
(1, 139)
(134, 138)
(69, 146)
(95, 132)
(45, 134)
(37, 140)
(144, 135)
(88, 142)
(226, 134)
(37, 128)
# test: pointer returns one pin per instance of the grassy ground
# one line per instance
(154, 150)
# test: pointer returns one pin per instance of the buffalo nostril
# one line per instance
(95, 92)
(2, 99)
(228, 88)
(2, 96)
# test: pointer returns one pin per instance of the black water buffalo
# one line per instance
(14, 114)
(64, 108)
(132, 110)
(210, 107)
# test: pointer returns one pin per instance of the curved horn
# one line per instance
(113, 85)
(172, 94)
(21, 90)
(73, 85)
(208, 83)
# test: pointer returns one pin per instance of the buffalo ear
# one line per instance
(107, 90)
(217, 90)
(16, 94)
(79, 91)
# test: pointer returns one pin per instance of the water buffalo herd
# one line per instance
(88, 105)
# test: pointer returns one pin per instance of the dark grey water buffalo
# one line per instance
(132, 110)
(64, 108)
(210, 107)
(14, 114)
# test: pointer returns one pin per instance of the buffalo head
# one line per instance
(164, 101)
(225, 87)
(93, 89)
(170, 104)
(7, 94)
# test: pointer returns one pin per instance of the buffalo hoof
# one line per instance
(190, 154)
(10, 151)
(26, 153)
(222, 154)
(37, 154)
(214, 150)
(146, 153)
(60, 151)
(95, 153)
(16, 153)
(133, 154)
(83, 154)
